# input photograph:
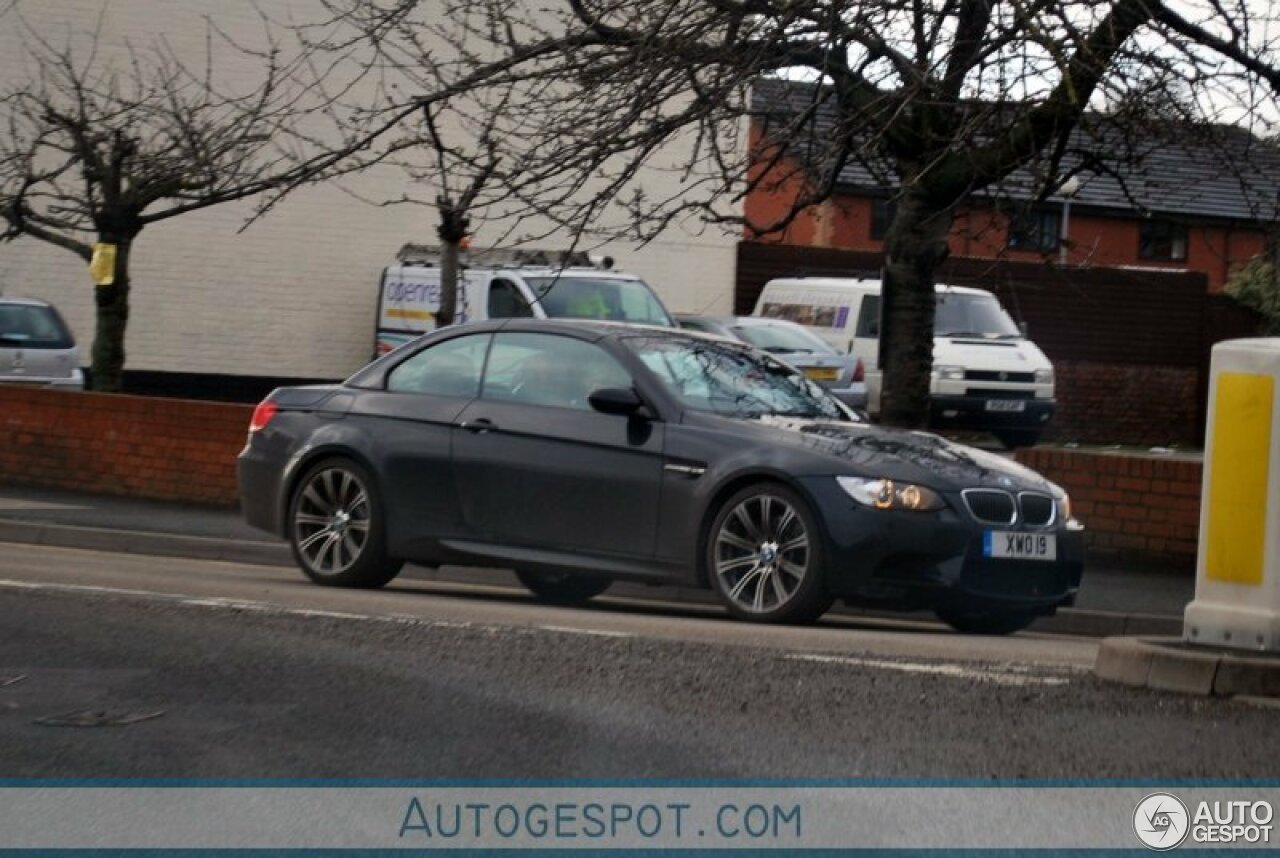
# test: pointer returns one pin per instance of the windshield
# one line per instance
(782, 339)
(962, 314)
(598, 298)
(723, 378)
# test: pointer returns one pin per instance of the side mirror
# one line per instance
(622, 401)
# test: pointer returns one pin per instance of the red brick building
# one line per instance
(1199, 201)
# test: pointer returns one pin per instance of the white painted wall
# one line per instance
(294, 294)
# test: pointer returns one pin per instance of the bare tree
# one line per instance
(104, 141)
(938, 99)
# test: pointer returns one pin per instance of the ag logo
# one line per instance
(1161, 821)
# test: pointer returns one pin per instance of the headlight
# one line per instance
(1044, 376)
(886, 494)
(950, 373)
(1064, 508)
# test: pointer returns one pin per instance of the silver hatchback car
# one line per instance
(36, 346)
(841, 375)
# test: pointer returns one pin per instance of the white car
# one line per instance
(36, 346)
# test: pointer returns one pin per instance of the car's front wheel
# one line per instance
(562, 588)
(764, 557)
(336, 527)
(975, 621)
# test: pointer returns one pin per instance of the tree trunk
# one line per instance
(107, 363)
(915, 246)
(448, 284)
(452, 230)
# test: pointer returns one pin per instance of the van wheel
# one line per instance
(1012, 439)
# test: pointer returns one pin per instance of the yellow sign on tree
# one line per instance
(102, 268)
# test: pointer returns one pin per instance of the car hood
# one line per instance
(919, 457)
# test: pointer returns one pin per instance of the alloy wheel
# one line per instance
(331, 521)
(761, 553)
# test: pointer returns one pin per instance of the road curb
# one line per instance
(1171, 664)
(1067, 621)
(144, 542)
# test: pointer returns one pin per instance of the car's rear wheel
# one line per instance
(562, 588)
(975, 621)
(337, 529)
(764, 557)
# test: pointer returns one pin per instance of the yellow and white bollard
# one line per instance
(1237, 601)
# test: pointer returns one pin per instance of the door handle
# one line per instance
(478, 427)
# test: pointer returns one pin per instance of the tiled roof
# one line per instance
(1173, 169)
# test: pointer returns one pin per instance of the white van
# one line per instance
(986, 375)
(497, 284)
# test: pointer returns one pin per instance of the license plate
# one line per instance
(822, 373)
(1016, 405)
(1019, 546)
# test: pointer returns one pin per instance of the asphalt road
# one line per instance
(248, 671)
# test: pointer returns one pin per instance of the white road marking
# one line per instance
(229, 604)
(1013, 675)
(600, 633)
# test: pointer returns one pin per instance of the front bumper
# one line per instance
(986, 413)
(905, 560)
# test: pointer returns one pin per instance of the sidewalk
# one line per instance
(1112, 600)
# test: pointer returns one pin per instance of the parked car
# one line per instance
(842, 375)
(36, 346)
(580, 452)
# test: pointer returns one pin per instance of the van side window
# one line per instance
(869, 317)
(506, 302)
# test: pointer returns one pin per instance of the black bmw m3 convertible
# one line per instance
(579, 453)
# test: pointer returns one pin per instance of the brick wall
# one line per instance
(166, 449)
(1126, 404)
(1146, 506)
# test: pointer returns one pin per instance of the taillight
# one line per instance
(859, 371)
(262, 415)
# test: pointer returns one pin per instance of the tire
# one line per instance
(1012, 439)
(764, 557)
(563, 588)
(972, 621)
(337, 528)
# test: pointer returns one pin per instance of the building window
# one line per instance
(1162, 239)
(882, 214)
(1035, 230)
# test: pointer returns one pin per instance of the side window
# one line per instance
(869, 317)
(451, 368)
(506, 302)
(542, 369)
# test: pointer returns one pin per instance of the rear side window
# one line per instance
(33, 327)
(809, 315)
(869, 318)
(451, 368)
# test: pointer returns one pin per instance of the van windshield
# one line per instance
(966, 315)
(599, 298)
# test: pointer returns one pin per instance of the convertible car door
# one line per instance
(537, 466)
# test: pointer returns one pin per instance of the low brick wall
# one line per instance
(166, 449)
(1137, 505)
(1126, 404)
